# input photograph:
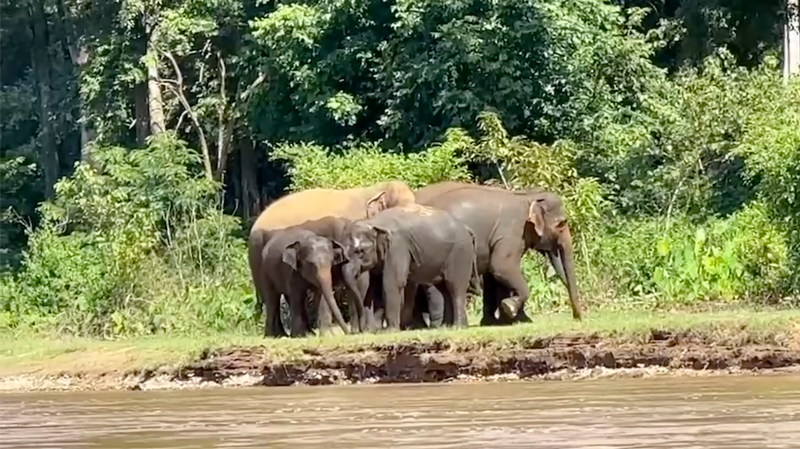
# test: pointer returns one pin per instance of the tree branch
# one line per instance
(223, 120)
(247, 92)
(180, 119)
(177, 89)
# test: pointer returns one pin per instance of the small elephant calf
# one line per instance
(294, 261)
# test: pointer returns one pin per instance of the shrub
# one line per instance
(136, 245)
(771, 149)
(653, 263)
(673, 259)
(313, 166)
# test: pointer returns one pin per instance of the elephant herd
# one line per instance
(393, 255)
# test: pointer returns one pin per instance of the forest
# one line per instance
(139, 139)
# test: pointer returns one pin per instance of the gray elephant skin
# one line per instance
(294, 262)
(409, 246)
(344, 279)
(313, 204)
(506, 224)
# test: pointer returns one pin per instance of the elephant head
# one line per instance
(313, 257)
(547, 231)
(391, 194)
(364, 245)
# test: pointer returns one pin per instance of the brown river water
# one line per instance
(709, 412)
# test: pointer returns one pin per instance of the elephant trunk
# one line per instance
(561, 258)
(325, 283)
(357, 296)
(475, 286)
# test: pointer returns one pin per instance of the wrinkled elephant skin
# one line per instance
(506, 224)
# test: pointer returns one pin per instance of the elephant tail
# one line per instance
(475, 285)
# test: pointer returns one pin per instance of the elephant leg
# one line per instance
(273, 327)
(437, 309)
(455, 294)
(393, 292)
(395, 277)
(359, 321)
(374, 303)
(297, 304)
(409, 306)
(522, 317)
(420, 307)
(490, 300)
(458, 275)
(501, 292)
(311, 310)
(506, 269)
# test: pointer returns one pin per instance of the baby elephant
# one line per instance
(294, 262)
(410, 246)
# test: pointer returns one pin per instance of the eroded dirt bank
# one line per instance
(562, 358)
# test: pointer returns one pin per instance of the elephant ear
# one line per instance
(536, 216)
(339, 253)
(381, 237)
(376, 204)
(289, 256)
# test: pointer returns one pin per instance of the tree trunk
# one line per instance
(41, 67)
(791, 40)
(251, 197)
(142, 113)
(155, 105)
(79, 55)
(224, 137)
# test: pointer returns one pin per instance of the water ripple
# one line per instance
(724, 412)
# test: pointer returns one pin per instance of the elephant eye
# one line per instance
(561, 223)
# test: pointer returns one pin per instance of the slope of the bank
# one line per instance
(555, 347)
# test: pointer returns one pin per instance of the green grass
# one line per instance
(28, 354)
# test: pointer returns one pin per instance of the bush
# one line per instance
(684, 255)
(136, 245)
(652, 263)
(312, 166)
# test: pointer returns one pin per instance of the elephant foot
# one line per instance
(489, 321)
(419, 323)
(522, 317)
(272, 333)
(509, 307)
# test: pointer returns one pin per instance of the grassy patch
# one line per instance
(47, 355)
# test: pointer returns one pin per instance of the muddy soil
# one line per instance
(562, 358)
(439, 362)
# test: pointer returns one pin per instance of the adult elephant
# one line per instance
(313, 204)
(294, 262)
(414, 246)
(506, 224)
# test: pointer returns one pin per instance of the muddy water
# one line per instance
(724, 412)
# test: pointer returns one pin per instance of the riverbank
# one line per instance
(554, 347)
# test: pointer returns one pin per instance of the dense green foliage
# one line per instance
(669, 132)
(136, 245)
